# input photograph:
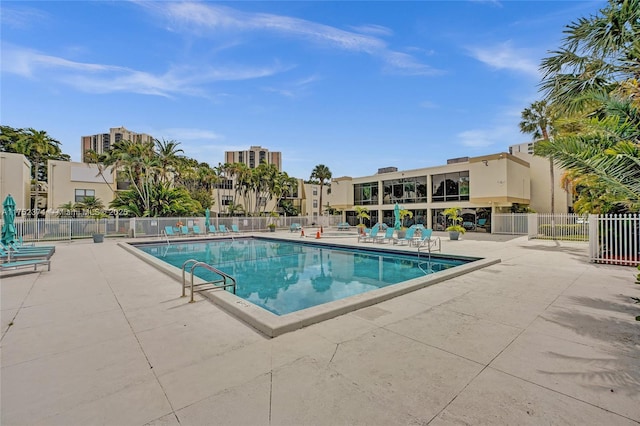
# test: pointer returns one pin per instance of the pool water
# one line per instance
(285, 277)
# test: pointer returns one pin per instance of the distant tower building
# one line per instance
(254, 156)
(103, 142)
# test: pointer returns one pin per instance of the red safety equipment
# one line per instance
(318, 235)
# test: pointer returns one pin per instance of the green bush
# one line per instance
(567, 232)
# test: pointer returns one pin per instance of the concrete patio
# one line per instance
(544, 337)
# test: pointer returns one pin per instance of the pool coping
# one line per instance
(274, 325)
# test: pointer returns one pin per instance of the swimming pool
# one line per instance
(302, 282)
(284, 277)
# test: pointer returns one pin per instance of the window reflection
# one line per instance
(451, 186)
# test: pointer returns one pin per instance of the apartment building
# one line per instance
(541, 177)
(15, 179)
(480, 186)
(254, 156)
(71, 181)
(102, 142)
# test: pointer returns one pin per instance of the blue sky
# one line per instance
(352, 85)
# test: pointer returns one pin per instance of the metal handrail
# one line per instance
(430, 242)
(166, 236)
(197, 264)
(184, 266)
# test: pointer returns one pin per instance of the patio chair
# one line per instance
(223, 229)
(408, 237)
(184, 230)
(212, 229)
(481, 223)
(168, 231)
(197, 230)
(372, 235)
(11, 255)
(388, 236)
(28, 249)
(235, 229)
(295, 227)
(427, 240)
(343, 226)
(6, 266)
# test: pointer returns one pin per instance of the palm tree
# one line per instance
(606, 148)
(362, 213)
(38, 146)
(598, 54)
(537, 121)
(168, 154)
(322, 174)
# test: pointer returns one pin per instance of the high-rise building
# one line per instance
(103, 142)
(254, 156)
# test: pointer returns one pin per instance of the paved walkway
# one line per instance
(544, 337)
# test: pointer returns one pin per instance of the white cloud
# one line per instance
(504, 56)
(206, 17)
(22, 17)
(373, 29)
(482, 138)
(102, 78)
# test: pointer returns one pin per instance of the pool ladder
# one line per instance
(224, 282)
(431, 245)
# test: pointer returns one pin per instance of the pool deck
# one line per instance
(543, 337)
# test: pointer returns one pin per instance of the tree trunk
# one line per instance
(553, 186)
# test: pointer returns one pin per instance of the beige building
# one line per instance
(541, 176)
(102, 142)
(15, 179)
(480, 186)
(254, 156)
(72, 181)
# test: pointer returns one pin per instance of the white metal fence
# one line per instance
(509, 223)
(615, 239)
(567, 227)
(55, 229)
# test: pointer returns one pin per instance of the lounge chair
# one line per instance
(295, 227)
(184, 230)
(6, 266)
(343, 226)
(11, 255)
(197, 230)
(235, 229)
(388, 236)
(408, 237)
(212, 229)
(223, 229)
(371, 236)
(168, 231)
(28, 249)
(427, 240)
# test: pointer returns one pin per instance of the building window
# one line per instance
(365, 194)
(451, 186)
(226, 200)
(406, 190)
(225, 184)
(262, 201)
(81, 194)
(315, 191)
(315, 204)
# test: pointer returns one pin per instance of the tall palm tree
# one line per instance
(597, 54)
(322, 174)
(537, 121)
(38, 146)
(606, 148)
(168, 154)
